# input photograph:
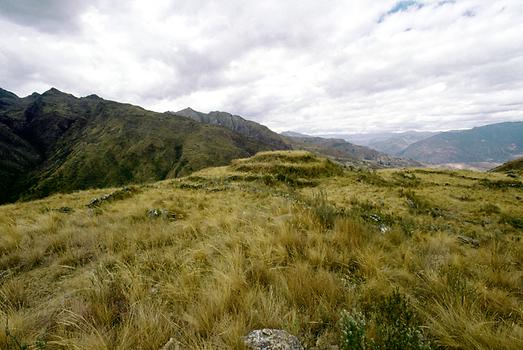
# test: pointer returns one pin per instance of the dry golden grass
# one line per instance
(242, 255)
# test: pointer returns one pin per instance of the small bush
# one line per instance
(390, 323)
(353, 326)
(396, 325)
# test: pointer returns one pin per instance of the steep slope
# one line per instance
(491, 143)
(347, 152)
(57, 142)
(515, 165)
(247, 128)
(17, 154)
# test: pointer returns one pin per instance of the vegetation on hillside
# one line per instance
(513, 166)
(410, 259)
(57, 142)
(248, 128)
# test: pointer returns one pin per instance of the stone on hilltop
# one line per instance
(272, 339)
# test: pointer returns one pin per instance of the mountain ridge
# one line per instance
(497, 142)
(58, 142)
(237, 124)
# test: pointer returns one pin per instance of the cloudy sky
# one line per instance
(305, 65)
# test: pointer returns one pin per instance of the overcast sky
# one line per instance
(305, 65)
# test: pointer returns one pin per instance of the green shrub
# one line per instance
(396, 325)
(353, 326)
(390, 324)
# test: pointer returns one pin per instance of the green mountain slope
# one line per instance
(57, 142)
(491, 143)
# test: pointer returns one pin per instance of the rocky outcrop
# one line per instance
(239, 125)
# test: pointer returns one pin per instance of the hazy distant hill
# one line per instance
(372, 139)
(294, 134)
(57, 142)
(394, 144)
(347, 152)
(491, 143)
(260, 133)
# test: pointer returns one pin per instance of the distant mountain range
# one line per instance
(56, 142)
(394, 144)
(337, 149)
(495, 143)
(479, 148)
(347, 152)
(375, 140)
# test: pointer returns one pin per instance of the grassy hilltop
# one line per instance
(419, 259)
(513, 166)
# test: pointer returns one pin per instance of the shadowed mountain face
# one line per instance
(490, 143)
(57, 142)
(247, 128)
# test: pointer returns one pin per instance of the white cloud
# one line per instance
(310, 66)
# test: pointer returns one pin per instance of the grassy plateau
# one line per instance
(343, 259)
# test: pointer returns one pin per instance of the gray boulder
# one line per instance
(272, 339)
(160, 213)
